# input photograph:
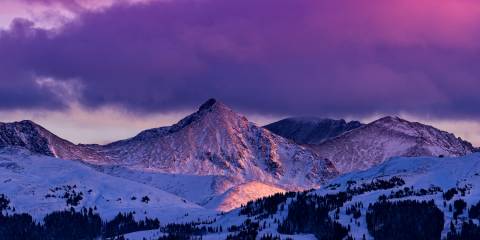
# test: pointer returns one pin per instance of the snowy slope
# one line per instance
(241, 194)
(418, 172)
(311, 130)
(36, 184)
(195, 188)
(388, 137)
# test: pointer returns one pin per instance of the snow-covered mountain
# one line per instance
(217, 141)
(214, 146)
(311, 130)
(387, 137)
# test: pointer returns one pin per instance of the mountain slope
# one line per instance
(217, 141)
(198, 189)
(242, 194)
(388, 137)
(38, 184)
(311, 130)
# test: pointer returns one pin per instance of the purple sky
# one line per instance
(344, 58)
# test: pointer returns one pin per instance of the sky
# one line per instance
(96, 71)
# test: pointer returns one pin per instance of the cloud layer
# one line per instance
(290, 57)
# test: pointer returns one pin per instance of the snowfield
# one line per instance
(37, 184)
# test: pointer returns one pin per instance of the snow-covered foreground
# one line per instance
(418, 173)
(435, 175)
(38, 185)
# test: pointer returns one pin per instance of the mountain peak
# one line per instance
(389, 119)
(393, 121)
(27, 122)
(25, 134)
(208, 104)
(213, 104)
(22, 123)
(35, 138)
(212, 107)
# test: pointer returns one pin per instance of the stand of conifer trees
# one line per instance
(70, 224)
(404, 220)
(309, 214)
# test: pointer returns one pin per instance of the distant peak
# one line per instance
(307, 119)
(28, 122)
(317, 120)
(214, 105)
(21, 123)
(211, 107)
(390, 119)
(394, 121)
(208, 104)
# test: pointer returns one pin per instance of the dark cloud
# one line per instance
(265, 56)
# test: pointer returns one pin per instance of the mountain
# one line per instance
(199, 158)
(388, 137)
(35, 138)
(217, 141)
(311, 130)
(216, 159)
(39, 184)
(215, 154)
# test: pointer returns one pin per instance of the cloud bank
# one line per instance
(288, 57)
